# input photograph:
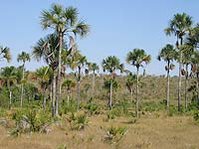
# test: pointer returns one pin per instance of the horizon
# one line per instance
(116, 28)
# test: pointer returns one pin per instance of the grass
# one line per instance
(148, 132)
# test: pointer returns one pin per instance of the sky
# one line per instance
(117, 27)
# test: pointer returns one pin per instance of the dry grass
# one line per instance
(151, 131)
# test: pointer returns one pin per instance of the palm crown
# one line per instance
(63, 20)
(5, 53)
(111, 64)
(137, 57)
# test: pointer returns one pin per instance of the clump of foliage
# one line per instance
(115, 134)
(153, 106)
(30, 120)
(78, 121)
(92, 108)
(69, 107)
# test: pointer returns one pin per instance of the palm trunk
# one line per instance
(53, 94)
(44, 101)
(58, 96)
(10, 97)
(131, 92)
(78, 87)
(168, 82)
(137, 92)
(93, 84)
(186, 81)
(111, 94)
(180, 78)
(22, 86)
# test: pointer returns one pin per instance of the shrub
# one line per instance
(78, 122)
(69, 107)
(92, 108)
(115, 134)
(196, 116)
(30, 121)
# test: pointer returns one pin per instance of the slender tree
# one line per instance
(65, 22)
(44, 75)
(46, 49)
(130, 82)
(93, 67)
(136, 58)
(69, 85)
(168, 54)
(187, 54)
(111, 64)
(5, 53)
(179, 26)
(23, 57)
(9, 76)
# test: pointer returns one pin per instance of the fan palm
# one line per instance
(46, 49)
(168, 54)
(93, 67)
(9, 76)
(44, 75)
(179, 26)
(68, 84)
(131, 80)
(65, 22)
(111, 64)
(187, 55)
(137, 58)
(5, 53)
(23, 57)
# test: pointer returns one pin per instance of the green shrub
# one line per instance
(78, 122)
(115, 134)
(32, 120)
(69, 107)
(92, 108)
(196, 116)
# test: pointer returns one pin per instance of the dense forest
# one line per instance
(69, 91)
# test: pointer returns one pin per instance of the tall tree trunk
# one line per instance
(137, 92)
(53, 94)
(58, 96)
(180, 78)
(111, 94)
(44, 101)
(186, 81)
(10, 97)
(22, 86)
(131, 92)
(78, 87)
(168, 82)
(93, 84)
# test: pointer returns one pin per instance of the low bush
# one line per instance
(78, 121)
(32, 120)
(115, 134)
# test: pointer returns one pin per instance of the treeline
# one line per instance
(60, 52)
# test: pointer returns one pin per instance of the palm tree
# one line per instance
(65, 22)
(187, 57)
(111, 64)
(136, 58)
(5, 53)
(46, 49)
(80, 61)
(44, 75)
(23, 57)
(9, 76)
(93, 67)
(131, 80)
(68, 84)
(179, 26)
(168, 54)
